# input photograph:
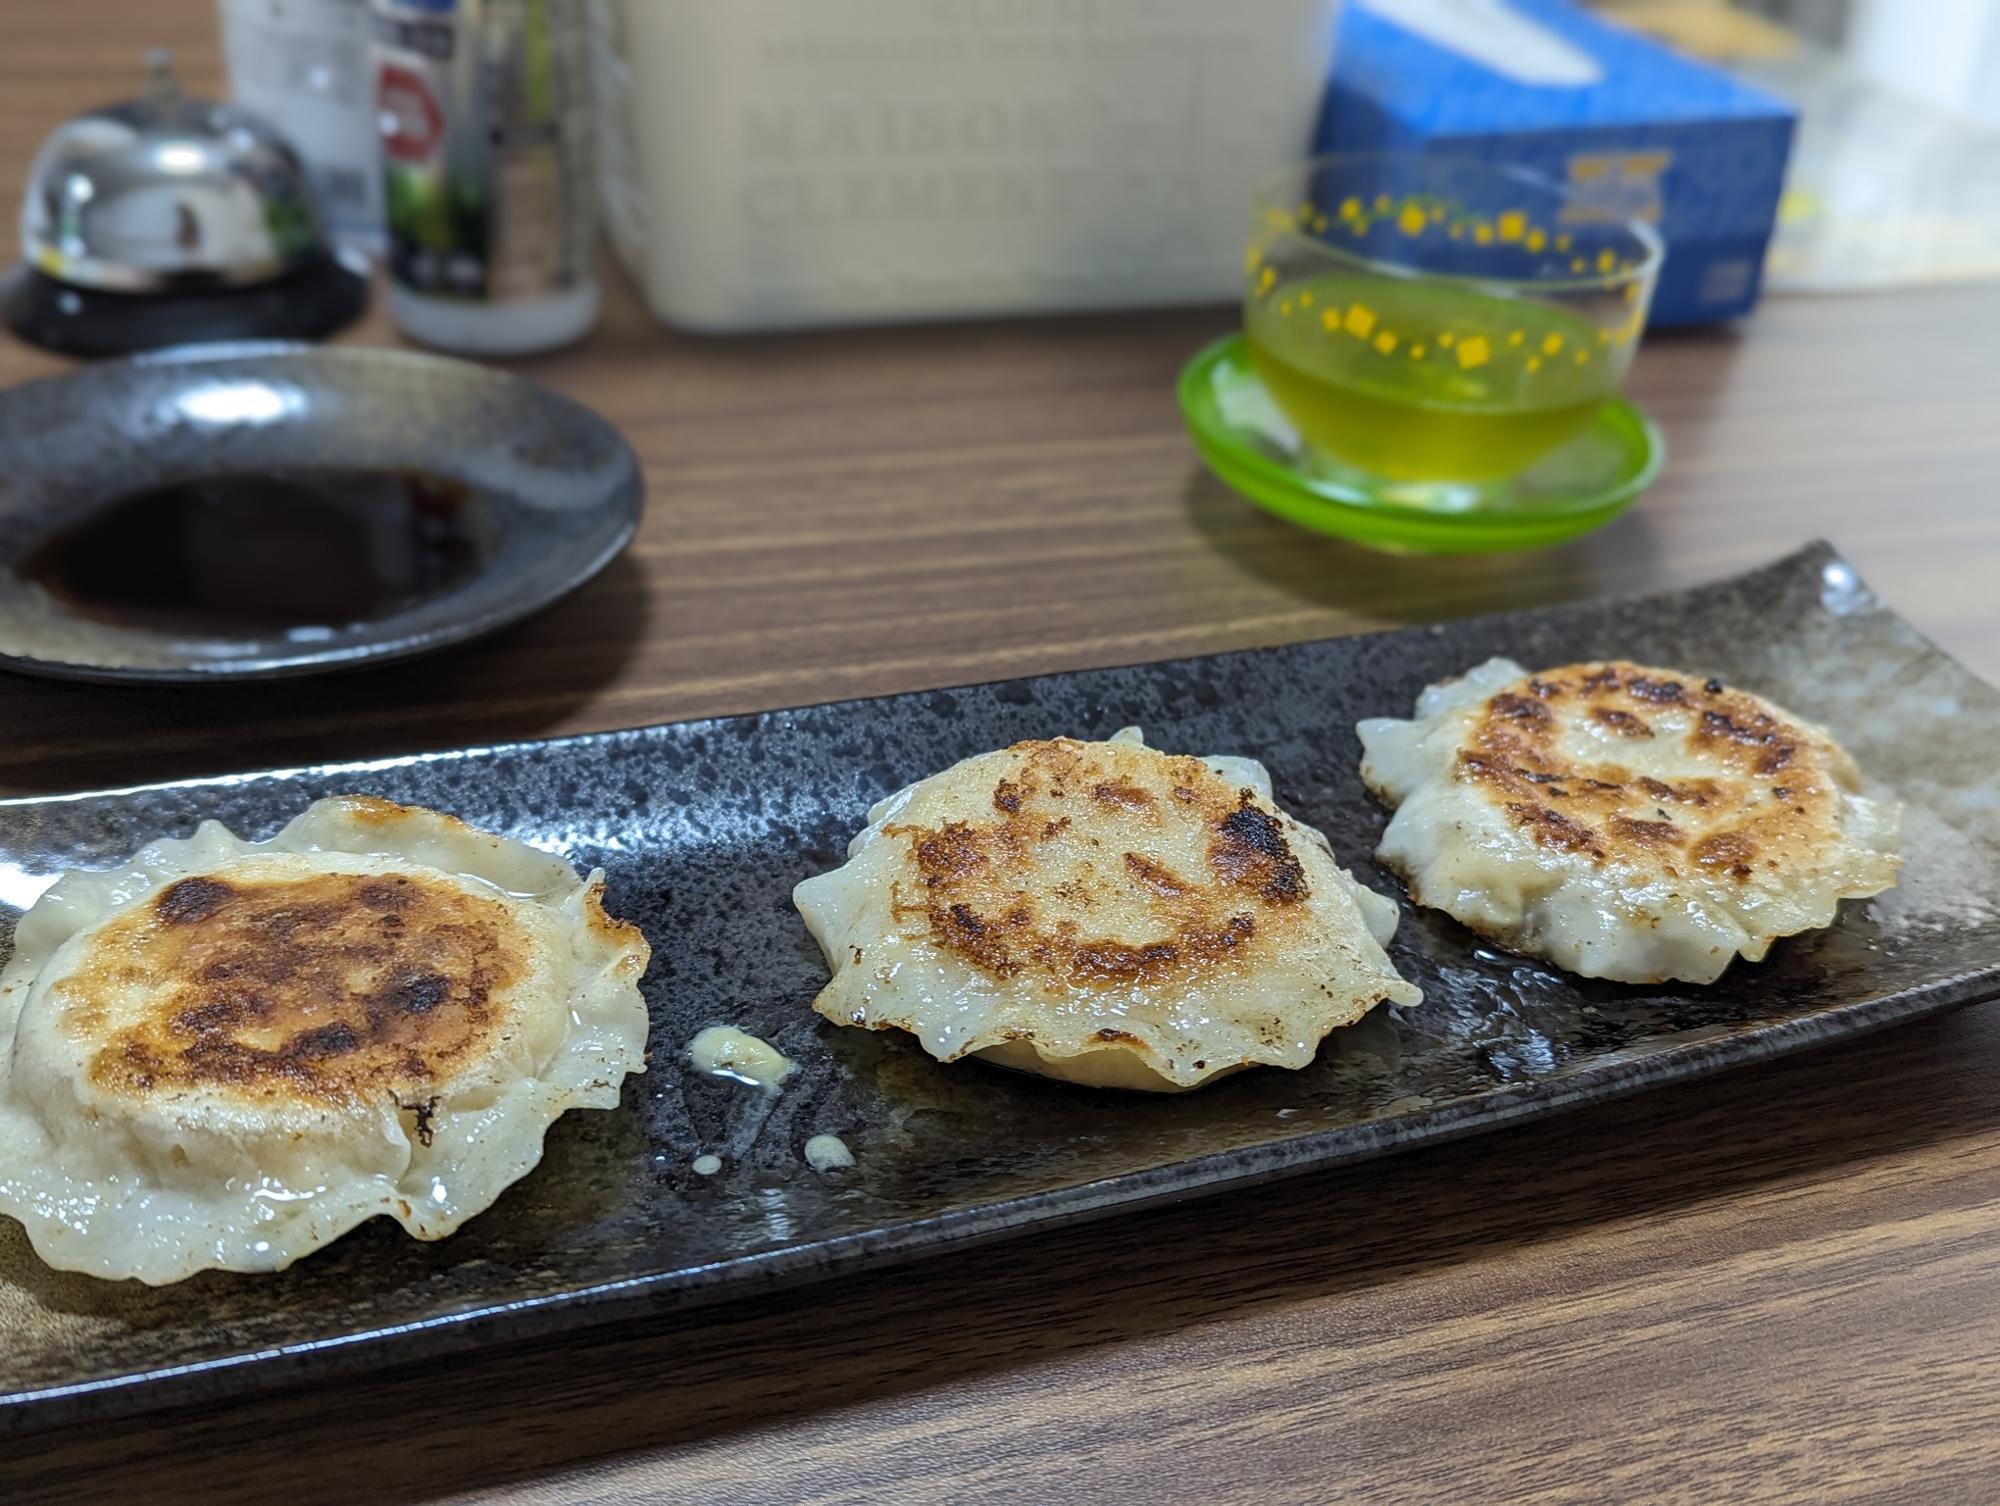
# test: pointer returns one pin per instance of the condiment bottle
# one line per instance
(485, 115)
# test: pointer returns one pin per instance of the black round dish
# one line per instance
(558, 493)
(320, 298)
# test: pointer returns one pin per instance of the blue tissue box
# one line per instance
(1628, 126)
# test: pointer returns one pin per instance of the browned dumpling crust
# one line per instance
(1102, 912)
(225, 1054)
(1621, 820)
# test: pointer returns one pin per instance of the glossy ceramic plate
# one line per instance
(1242, 437)
(705, 827)
(548, 491)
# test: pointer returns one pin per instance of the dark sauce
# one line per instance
(262, 550)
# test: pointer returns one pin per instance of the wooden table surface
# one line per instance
(1781, 1285)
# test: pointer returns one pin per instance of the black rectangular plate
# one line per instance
(705, 827)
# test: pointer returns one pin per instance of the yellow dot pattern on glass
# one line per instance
(1527, 349)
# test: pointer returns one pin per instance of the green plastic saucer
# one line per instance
(1246, 441)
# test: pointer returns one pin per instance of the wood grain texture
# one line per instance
(1781, 1286)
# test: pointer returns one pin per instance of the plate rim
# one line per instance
(578, 1310)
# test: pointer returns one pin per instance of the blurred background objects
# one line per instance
(1895, 174)
(792, 163)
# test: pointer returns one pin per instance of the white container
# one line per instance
(303, 66)
(779, 163)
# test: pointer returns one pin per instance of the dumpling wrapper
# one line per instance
(225, 1054)
(1624, 822)
(1101, 913)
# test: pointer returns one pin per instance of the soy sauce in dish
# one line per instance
(258, 550)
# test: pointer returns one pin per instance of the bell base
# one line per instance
(324, 296)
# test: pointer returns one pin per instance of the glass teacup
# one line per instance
(1440, 324)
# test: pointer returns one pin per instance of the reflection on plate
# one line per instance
(250, 511)
(1245, 440)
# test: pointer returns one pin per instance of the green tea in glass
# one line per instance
(1439, 324)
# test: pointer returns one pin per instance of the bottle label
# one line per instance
(484, 110)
